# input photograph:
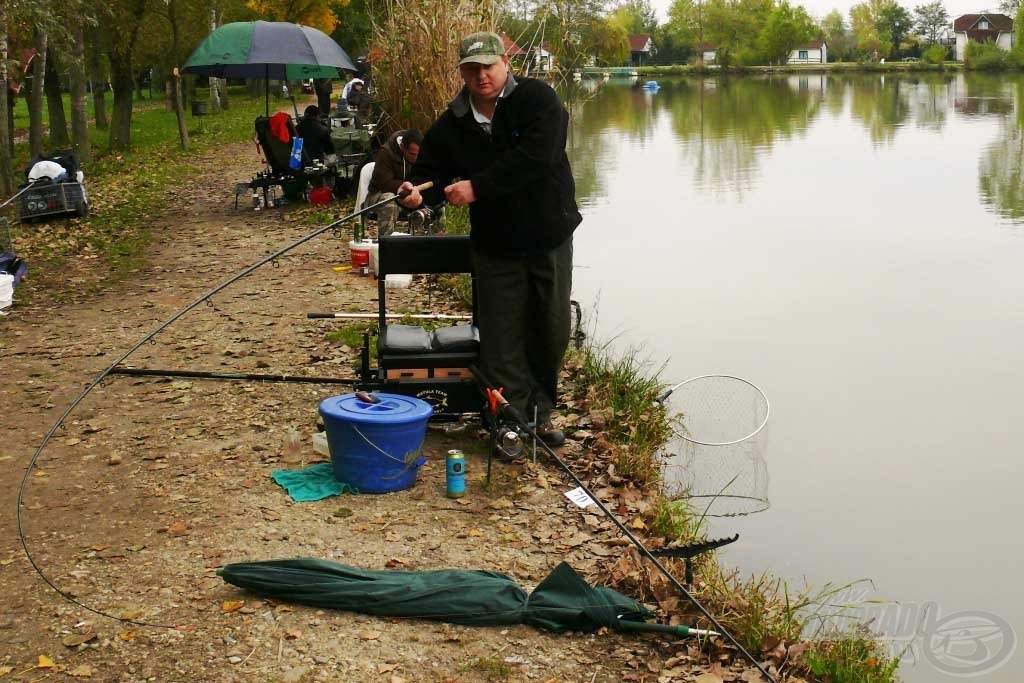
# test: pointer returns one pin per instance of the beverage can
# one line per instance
(455, 473)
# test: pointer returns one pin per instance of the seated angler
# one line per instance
(393, 165)
(316, 136)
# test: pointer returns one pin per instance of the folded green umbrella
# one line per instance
(562, 602)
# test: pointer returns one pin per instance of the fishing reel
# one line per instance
(510, 439)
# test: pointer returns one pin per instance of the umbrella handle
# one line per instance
(644, 627)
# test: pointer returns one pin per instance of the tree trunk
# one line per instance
(98, 79)
(55, 104)
(79, 112)
(124, 88)
(6, 177)
(35, 96)
(179, 109)
(216, 84)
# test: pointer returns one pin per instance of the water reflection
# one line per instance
(724, 129)
(1001, 169)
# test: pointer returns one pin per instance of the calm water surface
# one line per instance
(854, 246)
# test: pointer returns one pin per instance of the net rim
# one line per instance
(767, 412)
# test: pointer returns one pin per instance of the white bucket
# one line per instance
(374, 258)
(6, 290)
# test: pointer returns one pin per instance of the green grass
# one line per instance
(494, 669)
(126, 190)
(851, 660)
(350, 335)
(625, 388)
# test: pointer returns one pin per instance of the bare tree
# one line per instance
(97, 77)
(35, 93)
(58, 123)
(79, 113)
(6, 179)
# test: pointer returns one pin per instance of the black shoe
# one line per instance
(549, 435)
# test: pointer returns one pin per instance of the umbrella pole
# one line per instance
(508, 410)
(266, 87)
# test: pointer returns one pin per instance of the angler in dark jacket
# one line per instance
(499, 148)
(392, 167)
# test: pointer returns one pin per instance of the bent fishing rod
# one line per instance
(512, 413)
(112, 368)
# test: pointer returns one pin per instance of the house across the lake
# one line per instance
(983, 28)
(705, 52)
(641, 49)
(814, 52)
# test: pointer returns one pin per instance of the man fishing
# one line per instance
(499, 148)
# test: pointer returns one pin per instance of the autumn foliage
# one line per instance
(320, 14)
(416, 53)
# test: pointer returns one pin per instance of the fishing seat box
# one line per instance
(430, 364)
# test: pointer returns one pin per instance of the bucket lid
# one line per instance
(392, 409)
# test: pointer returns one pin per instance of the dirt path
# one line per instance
(153, 484)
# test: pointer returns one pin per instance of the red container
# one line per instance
(320, 196)
(360, 254)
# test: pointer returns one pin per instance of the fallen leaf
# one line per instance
(45, 662)
(370, 635)
(386, 668)
(40, 473)
(81, 671)
(708, 678)
(128, 636)
(292, 634)
(4, 670)
(232, 605)
(99, 548)
(76, 639)
(177, 529)
(4, 563)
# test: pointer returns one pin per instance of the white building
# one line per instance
(983, 28)
(815, 52)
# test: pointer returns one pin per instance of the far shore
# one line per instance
(831, 67)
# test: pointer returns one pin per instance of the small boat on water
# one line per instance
(651, 85)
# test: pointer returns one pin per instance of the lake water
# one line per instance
(854, 246)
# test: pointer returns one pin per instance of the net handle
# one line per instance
(767, 405)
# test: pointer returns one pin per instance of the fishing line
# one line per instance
(111, 370)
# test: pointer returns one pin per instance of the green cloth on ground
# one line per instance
(313, 483)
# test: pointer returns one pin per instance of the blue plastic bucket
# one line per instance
(376, 447)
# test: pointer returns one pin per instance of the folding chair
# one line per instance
(278, 154)
(432, 365)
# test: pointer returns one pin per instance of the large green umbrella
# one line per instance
(562, 602)
(270, 50)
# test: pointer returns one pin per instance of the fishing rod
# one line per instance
(512, 413)
(389, 316)
(254, 377)
(109, 370)
(20, 192)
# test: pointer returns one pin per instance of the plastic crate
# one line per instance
(53, 199)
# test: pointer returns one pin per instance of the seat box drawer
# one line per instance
(393, 374)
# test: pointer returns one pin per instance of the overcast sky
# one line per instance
(819, 8)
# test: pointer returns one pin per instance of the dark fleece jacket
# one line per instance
(525, 192)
